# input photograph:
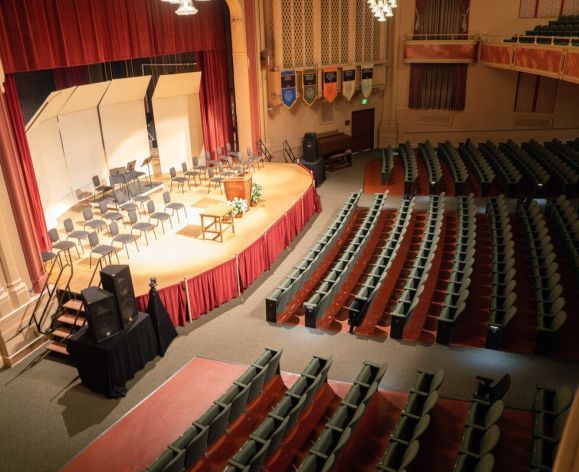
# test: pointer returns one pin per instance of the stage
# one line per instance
(181, 253)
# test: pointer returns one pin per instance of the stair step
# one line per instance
(62, 332)
(72, 320)
(57, 347)
(74, 305)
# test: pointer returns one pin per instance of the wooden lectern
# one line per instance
(238, 186)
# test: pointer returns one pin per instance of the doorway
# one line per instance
(362, 130)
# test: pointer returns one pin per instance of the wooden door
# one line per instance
(362, 130)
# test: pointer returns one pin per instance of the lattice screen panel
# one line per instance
(325, 32)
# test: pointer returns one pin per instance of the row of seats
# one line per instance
(505, 169)
(456, 165)
(532, 169)
(483, 171)
(281, 419)
(545, 276)
(321, 299)
(457, 290)
(191, 446)
(481, 433)
(557, 167)
(421, 268)
(387, 164)
(372, 283)
(565, 151)
(558, 32)
(410, 166)
(433, 168)
(340, 427)
(404, 441)
(550, 410)
(503, 295)
(565, 218)
(285, 293)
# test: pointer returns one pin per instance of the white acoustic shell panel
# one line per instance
(123, 121)
(178, 124)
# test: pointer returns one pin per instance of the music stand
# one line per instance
(147, 162)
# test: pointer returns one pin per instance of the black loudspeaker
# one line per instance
(117, 279)
(310, 144)
(101, 313)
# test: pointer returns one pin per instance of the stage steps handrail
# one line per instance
(264, 150)
(288, 153)
(54, 291)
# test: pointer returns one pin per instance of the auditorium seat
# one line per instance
(476, 443)
(482, 416)
(387, 156)
(410, 167)
(427, 382)
(490, 391)
(171, 460)
(466, 463)
(194, 443)
(398, 456)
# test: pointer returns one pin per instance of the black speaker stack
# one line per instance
(113, 308)
(311, 160)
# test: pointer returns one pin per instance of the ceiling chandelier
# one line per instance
(382, 9)
(186, 7)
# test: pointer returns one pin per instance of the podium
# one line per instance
(238, 186)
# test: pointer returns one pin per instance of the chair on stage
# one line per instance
(190, 173)
(142, 226)
(159, 216)
(123, 238)
(202, 168)
(255, 157)
(91, 221)
(109, 215)
(214, 179)
(224, 173)
(74, 234)
(237, 168)
(135, 174)
(173, 206)
(208, 158)
(230, 152)
(180, 181)
(103, 250)
(99, 187)
(219, 155)
(247, 164)
(61, 245)
(120, 197)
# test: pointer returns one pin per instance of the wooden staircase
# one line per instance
(67, 323)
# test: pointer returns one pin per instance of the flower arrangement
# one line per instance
(256, 193)
(238, 206)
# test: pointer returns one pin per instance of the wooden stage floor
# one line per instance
(182, 252)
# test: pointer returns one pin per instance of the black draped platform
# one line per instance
(106, 367)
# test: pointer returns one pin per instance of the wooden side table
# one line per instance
(220, 218)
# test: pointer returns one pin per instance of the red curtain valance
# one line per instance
(49, 34)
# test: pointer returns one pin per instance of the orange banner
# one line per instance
(330, 83)
(448, 52)
(571, 71)
(497, 54)
(547, 61)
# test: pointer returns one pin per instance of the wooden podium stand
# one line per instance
(238, 186)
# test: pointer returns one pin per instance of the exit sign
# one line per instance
(364, 101)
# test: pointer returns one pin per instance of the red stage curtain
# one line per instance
(70, 77)
(26, 168)
(415, 96)
(459, 86)
(276, 239)
(213, 288)
(50, 34)
(253, 261)
(174, 299)
(420, 8)
(214, 96)
(464, 7)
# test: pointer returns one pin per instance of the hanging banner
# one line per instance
(367, 76)
(330, 82)
(288, 88)
(348, 82)
(310, 86)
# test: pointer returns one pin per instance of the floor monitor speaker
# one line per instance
(117, 279)
(310, 145)
(101, 313)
